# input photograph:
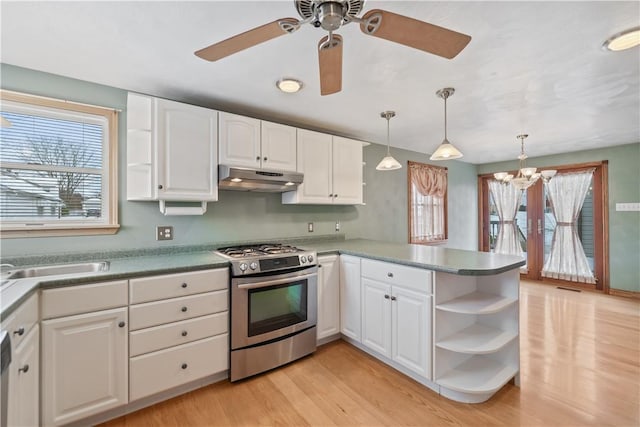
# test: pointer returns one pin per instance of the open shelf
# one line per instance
(478, 375)
(477, 339)
(477, 303)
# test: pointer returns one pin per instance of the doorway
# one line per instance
(536, 233)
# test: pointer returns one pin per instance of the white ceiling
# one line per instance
(533, 67)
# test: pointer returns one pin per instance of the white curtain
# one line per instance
(428, 190)
(507, 200)
(567, 260)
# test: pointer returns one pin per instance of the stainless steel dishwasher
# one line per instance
(5, 361)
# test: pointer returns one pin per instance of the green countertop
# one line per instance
(435, 258)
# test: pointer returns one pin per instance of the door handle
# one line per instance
(529, 227)
(539, 226)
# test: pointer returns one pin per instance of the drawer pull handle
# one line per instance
(389, 274)
(24, 369)
(184, 366)
(393, 298)
(184, 309)
(19, 332)
(184, 333)
(121, 324)
(184, 285)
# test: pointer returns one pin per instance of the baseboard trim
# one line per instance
(623, 293)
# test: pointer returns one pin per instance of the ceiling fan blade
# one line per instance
(414, 33)
(330, 60)
(248, 39)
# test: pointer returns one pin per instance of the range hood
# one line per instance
(260, 180)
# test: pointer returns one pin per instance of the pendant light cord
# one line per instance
(388, 152)
(446, 95)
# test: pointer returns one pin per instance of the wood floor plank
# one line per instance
(580, 366)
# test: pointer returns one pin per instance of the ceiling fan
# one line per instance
(330, 15)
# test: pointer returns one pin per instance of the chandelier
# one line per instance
(526, 177)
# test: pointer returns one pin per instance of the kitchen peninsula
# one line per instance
(447, 318)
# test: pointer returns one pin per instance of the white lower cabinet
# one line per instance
(396, 323)
(84, 365)
(328, 296)
(350, 319)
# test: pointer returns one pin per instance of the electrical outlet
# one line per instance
(164, 232)
(310, 227)
(337, 225)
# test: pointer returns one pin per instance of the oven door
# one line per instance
(269, 307)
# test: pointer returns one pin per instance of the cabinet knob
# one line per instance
(184, 285)
(265, 159)
(184, 333)
(389, 274)
(24, 369)
(335, 195)
(386, 297)
(121, 324)
(19, 332)
(184, 366)
(330, 195)
(393, 298)
(184, 309)
(160, 187)
(257, 158)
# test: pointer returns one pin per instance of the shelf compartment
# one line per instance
(477, 303)
(477, 339)
(476, 379)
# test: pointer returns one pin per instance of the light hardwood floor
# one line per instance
(580, 366)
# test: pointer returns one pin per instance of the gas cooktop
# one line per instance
(266, 257)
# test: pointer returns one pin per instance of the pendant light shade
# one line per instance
(388, 163)
(446, 150)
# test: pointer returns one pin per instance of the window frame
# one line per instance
(16, 229)
(410, 203)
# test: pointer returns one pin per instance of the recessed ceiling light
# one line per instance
(289, 85)
(624, 40)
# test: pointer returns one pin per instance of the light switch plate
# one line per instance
(635, 207)
(310, 227)
(164, 232)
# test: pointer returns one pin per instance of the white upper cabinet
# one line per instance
(332, 168)
(252, 143)
(172, 150)
(187, 152)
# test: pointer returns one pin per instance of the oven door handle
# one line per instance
(276, 282)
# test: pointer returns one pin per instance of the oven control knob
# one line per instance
(243, 266)
(310, 258)
(253, 265)
(303, 259)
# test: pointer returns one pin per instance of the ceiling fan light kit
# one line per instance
(330, 15)
(289, 85)
(623, 40)
(446, 150)
(526, 177)
(388, 163)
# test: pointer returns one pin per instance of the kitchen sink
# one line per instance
(54, 270)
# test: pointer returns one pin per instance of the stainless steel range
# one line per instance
(273, 306)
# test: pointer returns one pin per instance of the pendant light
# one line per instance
(526, 177)
(446, 150)
(388, 163)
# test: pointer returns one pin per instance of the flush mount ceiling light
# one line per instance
(624, 40)
(388, 163)
(446, 150)
(289, 85)
(526, 177)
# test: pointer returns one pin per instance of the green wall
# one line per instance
(240, 215)
(624, 186)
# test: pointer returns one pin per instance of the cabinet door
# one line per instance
(350, 297)
(314, 160)
(239, 141)
(24, 382)
(328, 296)
(347, 171)
(376, 316)
(411, 330)
(187, 152)
(85, 370)
(278, 146)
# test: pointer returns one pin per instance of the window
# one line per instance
(427, 203)
(58, 167)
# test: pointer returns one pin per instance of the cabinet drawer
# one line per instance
(177, 285)
(164, 336)
(164, 369)
(409, 277)
(175, 309)
(20, 322)
(79, 299)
